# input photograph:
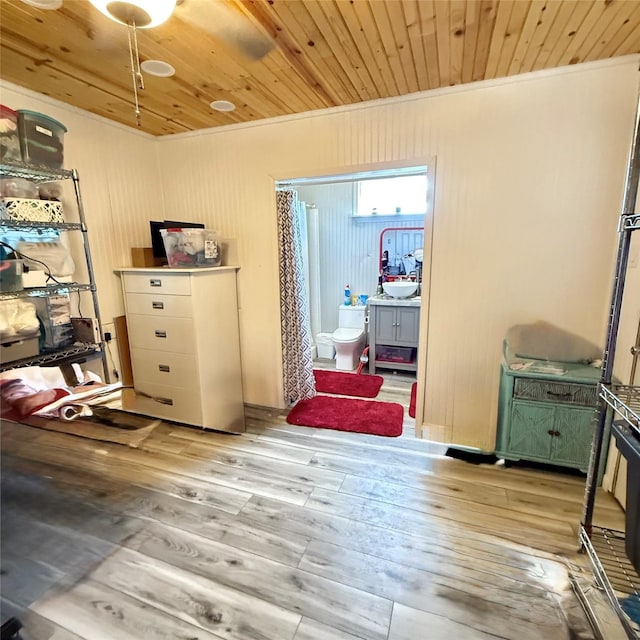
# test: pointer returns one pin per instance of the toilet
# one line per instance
(349, 338)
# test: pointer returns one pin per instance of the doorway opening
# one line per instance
(358, 232)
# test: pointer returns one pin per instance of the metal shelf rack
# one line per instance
(79, 351)
(606, 548)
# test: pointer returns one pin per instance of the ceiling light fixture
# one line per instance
(158, 68)
(143, 13)
(44, 4)
(222, 105)
(139, 14)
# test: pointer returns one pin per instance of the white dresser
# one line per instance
(185, 345)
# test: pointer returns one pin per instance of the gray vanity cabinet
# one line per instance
(393, 335)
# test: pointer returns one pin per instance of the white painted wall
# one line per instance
(529, 179)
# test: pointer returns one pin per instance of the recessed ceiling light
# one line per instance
(158, 68)
(44, 4)
(222, 105)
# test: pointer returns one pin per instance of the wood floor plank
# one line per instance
(201, 601)
(156, 477)
(409, 624)
(446, 470)
(294, 472)
(437, 483)
(528, 615)
(313, 630)
(458, 509)
(241, 443)
(332, 603)
(323, 534)
(95, 612)
(431, 549)
(558, 535)
(114, 511)
(34, 626)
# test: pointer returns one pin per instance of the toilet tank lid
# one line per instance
(347, 334)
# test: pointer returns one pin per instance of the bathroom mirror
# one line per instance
(400, 250)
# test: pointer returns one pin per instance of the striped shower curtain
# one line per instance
(294, 307)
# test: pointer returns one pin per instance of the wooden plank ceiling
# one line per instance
(325, 52)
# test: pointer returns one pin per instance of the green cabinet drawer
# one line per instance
(551, 391)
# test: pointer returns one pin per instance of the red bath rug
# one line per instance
(412, 400)
(346, 414)
(347, 384)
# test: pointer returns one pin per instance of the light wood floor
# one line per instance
(283, 533)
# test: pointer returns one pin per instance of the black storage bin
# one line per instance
(629, 446)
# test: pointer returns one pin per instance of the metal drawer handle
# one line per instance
(168, 401)
(165, 368)
(160, 334)
(155, 282)
(157, 305)
(560, 395)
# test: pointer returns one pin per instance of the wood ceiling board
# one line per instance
(567, 21)
(396, 17)
(533, 19)
(383, 24)
(345, 7)
(154, 101)
(315, 47)
(471, 32)
(457, 21)
(413, 19)
(79, 94)
(488, 10)
(542, 29)
(609, 17)
(340, 43)
(512, 36)
(595, 15)
(370, 30)
(327, 53)
(287, 45)
(443, 43)
(500, 27)
(619, 28)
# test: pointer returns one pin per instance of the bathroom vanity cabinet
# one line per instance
(394, 329)
(185, 346)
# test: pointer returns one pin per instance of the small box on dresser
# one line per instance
(185, 345)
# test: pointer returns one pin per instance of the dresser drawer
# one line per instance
(159, 305)
(558, 392)
(157, 367)
(161, 334)
(173, 284)
(163, 401)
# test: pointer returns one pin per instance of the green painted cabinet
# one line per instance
(550, 418)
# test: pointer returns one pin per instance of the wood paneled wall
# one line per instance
(529, 179)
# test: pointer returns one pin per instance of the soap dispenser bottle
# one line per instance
(347, 295)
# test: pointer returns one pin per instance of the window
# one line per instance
(400, 195)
